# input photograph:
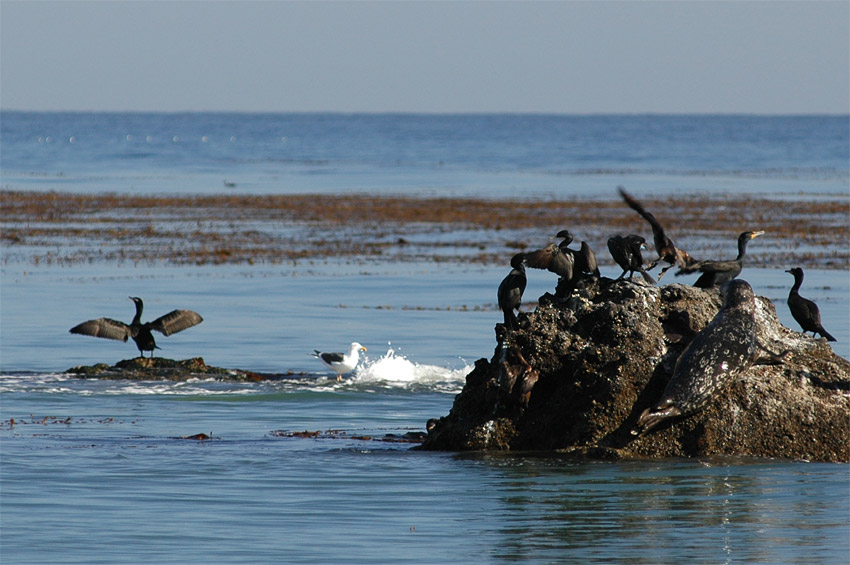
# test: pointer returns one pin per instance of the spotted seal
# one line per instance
(718, 354)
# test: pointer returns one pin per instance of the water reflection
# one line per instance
(715, 510)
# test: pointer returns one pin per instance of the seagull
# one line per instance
(171, 323)
(341, 363)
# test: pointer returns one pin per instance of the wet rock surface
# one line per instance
(581, 368)
(159, 368)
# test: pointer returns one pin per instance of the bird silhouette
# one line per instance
(171, 323)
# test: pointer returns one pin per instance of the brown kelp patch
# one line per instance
(67, 228)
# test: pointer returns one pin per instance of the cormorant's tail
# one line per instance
(647, 277)
(826, 334)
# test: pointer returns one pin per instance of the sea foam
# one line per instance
(395, 371)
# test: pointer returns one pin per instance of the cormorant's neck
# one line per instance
(798, 281)
(742, 247)
(137, 319)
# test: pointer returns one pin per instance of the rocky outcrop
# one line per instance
(581, 369)
(159, 368)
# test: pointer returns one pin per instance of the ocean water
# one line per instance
(453, 155)
(100, 471)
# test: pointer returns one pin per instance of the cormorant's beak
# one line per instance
(755, 234)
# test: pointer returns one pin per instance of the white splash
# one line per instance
(393, 370)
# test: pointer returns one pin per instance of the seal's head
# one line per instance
(737, 293)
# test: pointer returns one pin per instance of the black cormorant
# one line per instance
(804, 310)
(585, 260)
(511, 289)
(715, 273)
(171, 323)
(626, 253)
(664, 246)
(567, 263)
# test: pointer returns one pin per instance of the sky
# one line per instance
(762, 57)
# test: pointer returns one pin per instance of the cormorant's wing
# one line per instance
(175, 321)
(657, 230)
(619, 251)
(103, 327)
(552, 259)
(510, 290)
(664, 246)
(806, 309)
(585, 260)
(814, 311)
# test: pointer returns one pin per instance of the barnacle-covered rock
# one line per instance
(582, 368)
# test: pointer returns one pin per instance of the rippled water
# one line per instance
(480, 155)
(98, 471)
(115, 484)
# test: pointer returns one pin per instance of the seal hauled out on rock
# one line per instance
(724, 349)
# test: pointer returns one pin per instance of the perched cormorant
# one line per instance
(804, 310)
(569, 264)
(585, 261)
(511, 289)
(715, 273)
(556, 258)
(171, 323)
(664, 246)
(341, 363)
(626, 253)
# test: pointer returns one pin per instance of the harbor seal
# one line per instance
(718, 354)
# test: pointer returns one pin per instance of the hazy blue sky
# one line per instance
(566, 57)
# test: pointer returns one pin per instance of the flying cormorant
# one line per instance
(511, 289)
(171, 323)
(664, 246)
(715, 273)
(626, 253)
(341, 363)
(804, 310)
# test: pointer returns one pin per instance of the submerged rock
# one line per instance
(159, 368)
(582, 368)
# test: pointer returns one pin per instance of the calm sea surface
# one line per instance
(97, 472)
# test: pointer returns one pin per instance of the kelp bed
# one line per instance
(67, 228)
